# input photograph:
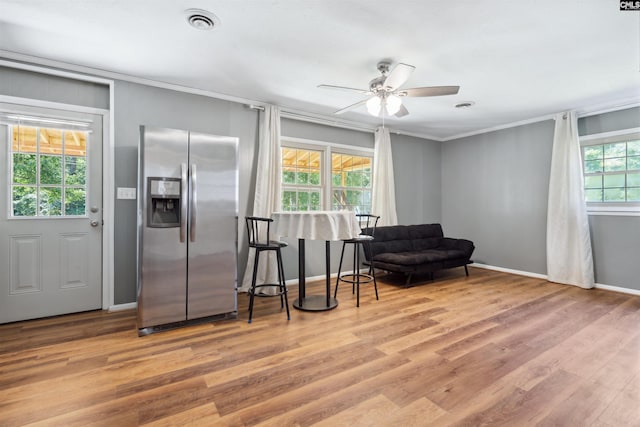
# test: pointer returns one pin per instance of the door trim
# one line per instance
(108, 150)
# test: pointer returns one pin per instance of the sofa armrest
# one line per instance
(463, 245)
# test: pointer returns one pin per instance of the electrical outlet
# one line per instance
(126, 193)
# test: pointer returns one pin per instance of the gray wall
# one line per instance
(494, 192)
(615, 239)
(416, 165)
(495, 189)
(27, 84)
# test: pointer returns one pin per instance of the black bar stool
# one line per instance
(258, 231)
(368, 226)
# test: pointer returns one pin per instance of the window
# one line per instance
(351, 182)
(301, 180)
(48, 172)
(317, 176)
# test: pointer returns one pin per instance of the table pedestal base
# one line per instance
(315, 303)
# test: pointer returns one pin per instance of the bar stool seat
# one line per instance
(258, 232)
(368, 224)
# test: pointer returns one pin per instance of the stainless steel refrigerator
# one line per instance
(187, 227)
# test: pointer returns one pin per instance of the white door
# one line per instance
(50, 212)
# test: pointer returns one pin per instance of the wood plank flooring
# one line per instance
(488, 349)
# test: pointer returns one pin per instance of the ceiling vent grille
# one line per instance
(202, 19)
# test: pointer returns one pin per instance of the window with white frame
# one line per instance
(324, 176)
(48, 172)
(611, 166)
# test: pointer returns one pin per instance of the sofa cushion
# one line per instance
(412, 258)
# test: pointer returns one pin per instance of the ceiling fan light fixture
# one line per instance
(393, 104)
(374, 105)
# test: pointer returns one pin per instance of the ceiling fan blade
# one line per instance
(398, 76)
(402, 111)
(430, 91)
(343, 88)
(351, 107)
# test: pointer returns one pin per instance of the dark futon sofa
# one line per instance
(421, 248)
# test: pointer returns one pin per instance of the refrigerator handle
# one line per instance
(194, 203)
(183, 202)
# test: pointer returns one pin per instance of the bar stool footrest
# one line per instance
(364, 278)
(274, 285)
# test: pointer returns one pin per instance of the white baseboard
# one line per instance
(544, 276)
(508, 270)
(618, 289)
(120, 307)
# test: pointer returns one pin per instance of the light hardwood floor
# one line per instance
(489, 349)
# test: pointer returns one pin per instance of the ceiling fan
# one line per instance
(386, 92)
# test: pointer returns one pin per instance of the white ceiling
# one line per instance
(515, 60)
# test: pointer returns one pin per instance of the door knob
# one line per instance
(94, 223)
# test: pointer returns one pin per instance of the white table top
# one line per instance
(316, 225)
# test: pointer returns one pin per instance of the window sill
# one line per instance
(614, 210)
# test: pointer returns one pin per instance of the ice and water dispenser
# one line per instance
(164, 202)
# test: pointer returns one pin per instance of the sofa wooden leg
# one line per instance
(408, 282)
(466, 270)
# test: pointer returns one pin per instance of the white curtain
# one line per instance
(267, 196)
(569, 258)
(383, 199)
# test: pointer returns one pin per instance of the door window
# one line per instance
(48, 173)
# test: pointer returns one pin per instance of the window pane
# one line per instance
(24, 139)
(51, 201)
(336, 179)
(593, 152)
(302, 158)
(366, 179)
(289, 200)
(633, 194)
(633, 148)
(619, 149)
(50, 141)
(354, 197)
(614, 195)
(24, 168)
(288, 176)
(50, 170)
(592, 166)
(302, 177)
(75, 143)
(593, 195)
(633, 179)
(315, 201)
(339, 199)
(314, 159)
(24, 201)
(593, 181)
(303, 200)
(616, 180)
(314, 177)
(633, 163)
(75, 170)
(288, 157)
(75, 201)
(615, 164)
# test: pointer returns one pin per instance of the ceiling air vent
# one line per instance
(202, 19)
(465, 104)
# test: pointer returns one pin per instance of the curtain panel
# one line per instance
(383, 199)
(267, 196)
(569, 257)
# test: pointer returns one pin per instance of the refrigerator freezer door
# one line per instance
(162, 257)
(213, 242)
